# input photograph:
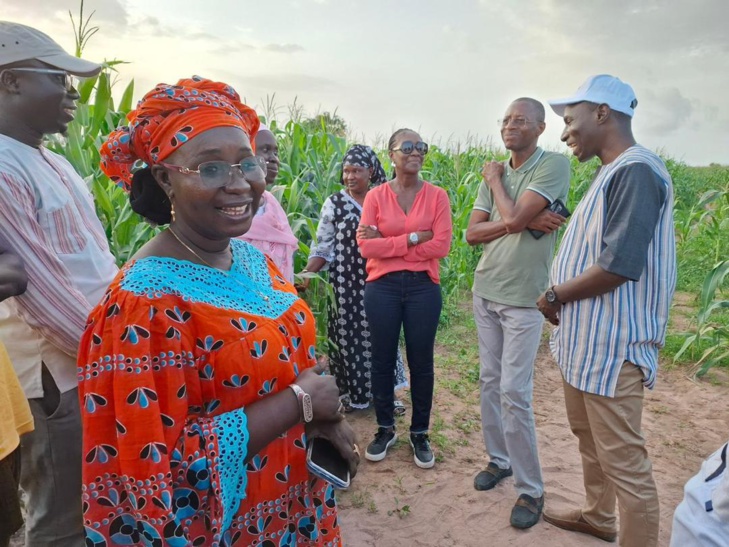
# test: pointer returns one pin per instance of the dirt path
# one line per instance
(393, 503)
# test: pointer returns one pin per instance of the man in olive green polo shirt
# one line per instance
(511, 275)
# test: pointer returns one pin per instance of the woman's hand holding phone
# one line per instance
(342, 436)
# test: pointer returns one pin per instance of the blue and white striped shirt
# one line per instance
(596, 335)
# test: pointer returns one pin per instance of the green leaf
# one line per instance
(125, 105)
(708, 290)
(85, 88)
(101, 102)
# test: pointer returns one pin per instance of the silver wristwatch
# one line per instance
(307, 409)
(551, 296)
(413, 237)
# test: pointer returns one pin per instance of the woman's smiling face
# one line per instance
(213, 213)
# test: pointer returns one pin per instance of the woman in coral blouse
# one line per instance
(405, 229)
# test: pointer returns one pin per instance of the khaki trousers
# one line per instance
(614, 459)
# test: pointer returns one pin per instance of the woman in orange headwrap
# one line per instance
(197, 369)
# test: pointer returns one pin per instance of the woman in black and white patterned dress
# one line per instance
(336, 247)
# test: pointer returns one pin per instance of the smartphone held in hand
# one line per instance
(556, 207)
(325, 461)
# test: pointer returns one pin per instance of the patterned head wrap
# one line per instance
(169, 116)
(363, 156)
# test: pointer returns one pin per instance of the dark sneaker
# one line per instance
(526, 512)
(491, 476)
(424, 457)
(384, 439)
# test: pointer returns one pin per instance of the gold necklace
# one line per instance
(201, 259)
(186, 246)
(360, 203)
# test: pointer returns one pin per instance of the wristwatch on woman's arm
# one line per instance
(307, 409)
(413, 238)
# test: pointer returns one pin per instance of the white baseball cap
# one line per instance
(601, 89)
(21, 43)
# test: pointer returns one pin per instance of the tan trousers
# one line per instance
(614, 459)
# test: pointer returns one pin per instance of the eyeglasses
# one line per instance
(515, 122)
(63, 77)
(407, 147)
(216, 174)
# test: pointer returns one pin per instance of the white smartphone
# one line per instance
(325, 462)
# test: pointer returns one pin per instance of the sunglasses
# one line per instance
(216, 174)
(407, 147)
(61, 76)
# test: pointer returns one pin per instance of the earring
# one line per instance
(172, 212)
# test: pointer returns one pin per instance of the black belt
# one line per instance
(405, 273)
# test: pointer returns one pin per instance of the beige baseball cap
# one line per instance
(21, 43)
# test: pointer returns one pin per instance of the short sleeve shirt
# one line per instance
(635, 197)
(514, 269)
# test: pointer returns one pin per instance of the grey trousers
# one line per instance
(50, 472)
(508, 339)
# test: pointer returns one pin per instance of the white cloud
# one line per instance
(109, 12)
(447, 68)
(283, 48)
(664, 110)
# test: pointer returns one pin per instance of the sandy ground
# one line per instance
(392, 502)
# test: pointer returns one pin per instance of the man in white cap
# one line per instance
(613, 280)
(48, 220)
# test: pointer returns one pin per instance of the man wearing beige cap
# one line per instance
(612, 283)
(48, 220)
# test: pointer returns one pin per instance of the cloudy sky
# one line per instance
(446, 68)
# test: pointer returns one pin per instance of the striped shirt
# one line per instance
(597, 335)
(48, 219)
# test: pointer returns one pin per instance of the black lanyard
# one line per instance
(721, 467)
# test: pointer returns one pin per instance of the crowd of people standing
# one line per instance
(171, 401)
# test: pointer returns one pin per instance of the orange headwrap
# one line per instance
(169, 116)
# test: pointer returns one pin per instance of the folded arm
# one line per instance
(440, 244)
(371, 242)
(483, 230)
(516, 215)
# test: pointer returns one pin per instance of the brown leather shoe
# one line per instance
(575, 522)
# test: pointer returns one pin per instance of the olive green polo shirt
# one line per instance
(514, 269)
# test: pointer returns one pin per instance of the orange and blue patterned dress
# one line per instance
(169, 360)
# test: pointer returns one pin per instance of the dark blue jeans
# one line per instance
(411, 301)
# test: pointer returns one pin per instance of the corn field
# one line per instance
(310, 172)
